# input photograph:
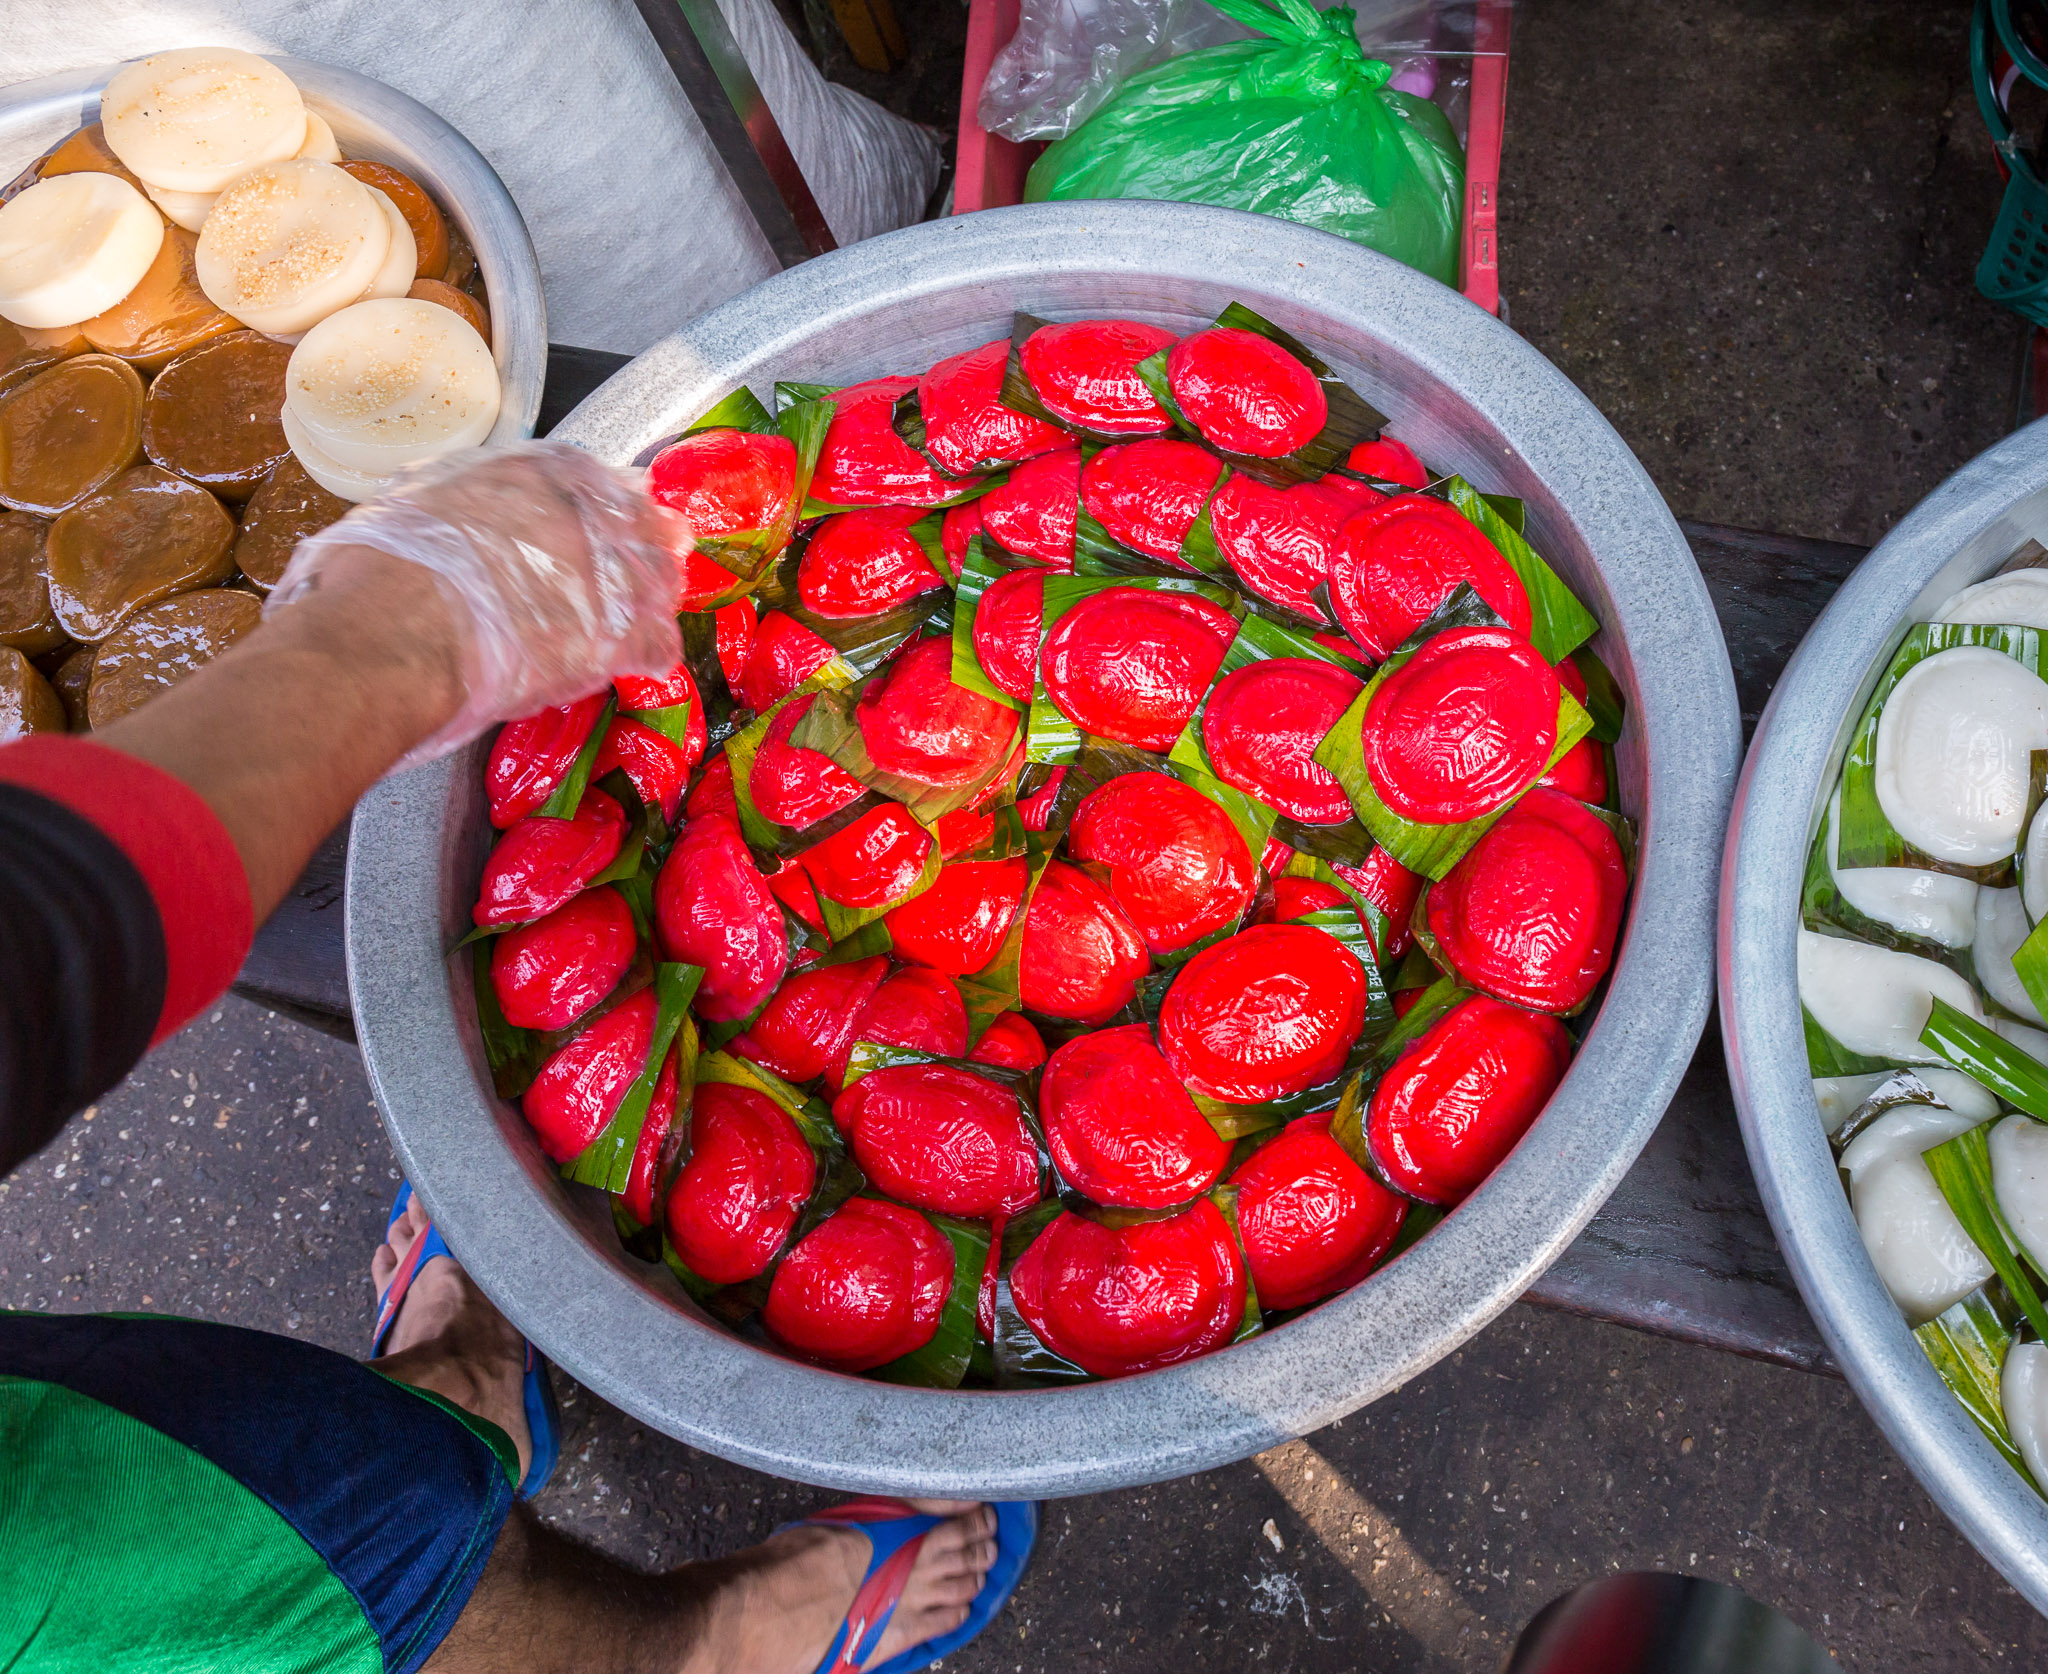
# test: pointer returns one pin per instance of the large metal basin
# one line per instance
(1468, 394)
(1962, 532)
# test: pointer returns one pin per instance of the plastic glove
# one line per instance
(562, 571)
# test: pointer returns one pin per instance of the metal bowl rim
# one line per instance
(1794, 751)
(722, 1394)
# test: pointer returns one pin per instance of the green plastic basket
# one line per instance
(2014, 271)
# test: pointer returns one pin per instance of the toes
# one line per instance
(946, 1508)
(948, 1591)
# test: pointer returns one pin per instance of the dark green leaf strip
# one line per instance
(1962, 1169)
(1986, 1058)
(607, 1162)
(566, 797)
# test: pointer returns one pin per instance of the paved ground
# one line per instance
(1777, 314)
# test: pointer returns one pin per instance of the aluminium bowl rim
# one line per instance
(737, 1401)
(1763, 873)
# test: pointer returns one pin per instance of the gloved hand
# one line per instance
(560, 572)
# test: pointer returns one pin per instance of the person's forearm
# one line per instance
(282, 734)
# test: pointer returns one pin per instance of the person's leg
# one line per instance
(545, 1603)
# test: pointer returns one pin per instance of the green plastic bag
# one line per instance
(1301, 125)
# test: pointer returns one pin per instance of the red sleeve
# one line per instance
(171, 838)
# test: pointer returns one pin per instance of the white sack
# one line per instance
(637, 225)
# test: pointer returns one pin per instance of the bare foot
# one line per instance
(449, 1338)
(790, 1593)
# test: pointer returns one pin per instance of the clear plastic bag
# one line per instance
(1069, 56)
(561, 570)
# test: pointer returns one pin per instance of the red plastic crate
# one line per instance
(989, 169)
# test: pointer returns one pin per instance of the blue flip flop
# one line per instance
(895, 1531)
(543, 1417)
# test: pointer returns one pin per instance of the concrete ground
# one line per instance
(1775, 309)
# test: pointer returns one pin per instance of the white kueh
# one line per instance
(72, 246)
(289, 243)
(193, 119)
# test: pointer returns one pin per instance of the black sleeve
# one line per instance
(81, 968)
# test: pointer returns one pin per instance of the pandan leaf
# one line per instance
(1962, 1169)
(1968, 1344)
(2030, 965)
(942, 1363)
(1558, 623)
(607, 1162)
(1868, 838)
(1987, 1058)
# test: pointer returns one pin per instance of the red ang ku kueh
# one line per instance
(1147, 1048)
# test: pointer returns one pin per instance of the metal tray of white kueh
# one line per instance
(380, 124)
(1468, 395)
(1960, 533)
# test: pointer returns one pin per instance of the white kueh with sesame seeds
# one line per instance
(288, 243)
(72, 246)
(194, 119)
(385, 384)
(401, 263)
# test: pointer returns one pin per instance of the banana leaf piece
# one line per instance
(1098, 552)
(837, 1179)
(833, 729)
(1051, 736)
(942, 1363)
(1867, 836)
(607, 1162)
(1305, 865)
(1351, 419)
(1604, 701)
(1260, 639)
(1559, 624)
(565, 798)
(1826, 1056)
(747, 554)
(1421, 847)
(640, 849)
(741, 410)
(983, 566)
(1822, 905)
